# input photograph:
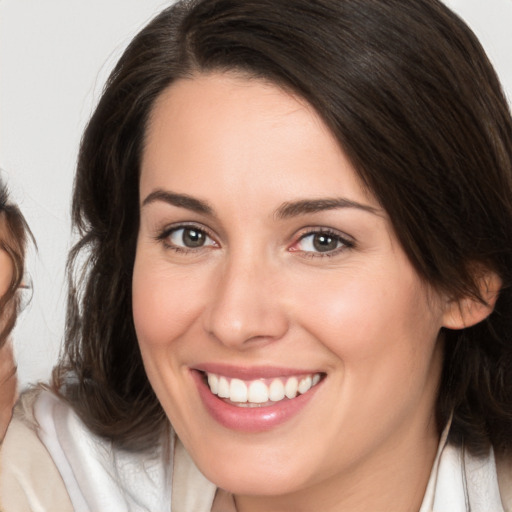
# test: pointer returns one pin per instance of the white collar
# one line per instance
(461, 482)
(98, 477)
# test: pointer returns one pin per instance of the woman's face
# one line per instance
(264, 267)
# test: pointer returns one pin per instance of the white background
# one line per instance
(54, 58)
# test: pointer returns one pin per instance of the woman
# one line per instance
(297, 218)
(13, 235)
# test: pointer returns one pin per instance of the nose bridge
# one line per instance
(245, 305)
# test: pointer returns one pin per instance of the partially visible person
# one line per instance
(13, 237)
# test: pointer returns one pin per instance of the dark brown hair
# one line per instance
(13, 239)
(412, 99)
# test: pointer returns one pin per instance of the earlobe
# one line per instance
(468, 311)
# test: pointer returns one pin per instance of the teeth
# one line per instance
(213, 382)
(223, 390)
(238, 391)
(305, 384)
(290, 388)
(257, 391)
(276, 391)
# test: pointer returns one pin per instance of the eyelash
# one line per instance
(343, 240)
(163, 237)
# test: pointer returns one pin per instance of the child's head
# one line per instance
(13, 237)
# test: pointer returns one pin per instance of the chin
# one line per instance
(254, 482)
(254, 471)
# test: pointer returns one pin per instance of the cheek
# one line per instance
(6, 271)
(165, 303)
(382, 333)
(365, 317)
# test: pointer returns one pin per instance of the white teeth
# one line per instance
(237, 391)
(257, 392)
(213, 382)
(276, 391)
(223, 391)
(305, 384)
(290, 388)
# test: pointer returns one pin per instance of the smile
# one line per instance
(260, 392)
(256, 399)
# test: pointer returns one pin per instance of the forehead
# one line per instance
(235, 131)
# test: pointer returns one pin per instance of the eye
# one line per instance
(325, 243)
(187, 237)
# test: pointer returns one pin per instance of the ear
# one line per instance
(468, 311)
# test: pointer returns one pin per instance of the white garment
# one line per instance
(97, 475)
(460, 482)
(93, 472)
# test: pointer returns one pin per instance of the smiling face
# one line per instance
(264, 266)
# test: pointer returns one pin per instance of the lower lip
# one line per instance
(250, 419)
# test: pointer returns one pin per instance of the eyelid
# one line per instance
(347, 241)
(164, 233)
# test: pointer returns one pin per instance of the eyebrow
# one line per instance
(285, 211)
(296, 208)
(180, 200)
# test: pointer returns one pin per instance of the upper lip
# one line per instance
(251, 372)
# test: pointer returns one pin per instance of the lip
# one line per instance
(251, 373)
(250, 419)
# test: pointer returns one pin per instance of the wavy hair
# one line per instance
(410, 95)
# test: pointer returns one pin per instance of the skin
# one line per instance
(258, 293)
(8, 380)
(8, 386)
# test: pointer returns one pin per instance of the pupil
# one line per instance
(193, 238)
(324, 243)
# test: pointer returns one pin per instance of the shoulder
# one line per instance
(29, 478)
(51, 461)
(504, 471)
(92, 471)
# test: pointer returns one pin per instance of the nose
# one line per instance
(245, 308)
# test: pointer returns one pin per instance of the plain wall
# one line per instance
(54, 58)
